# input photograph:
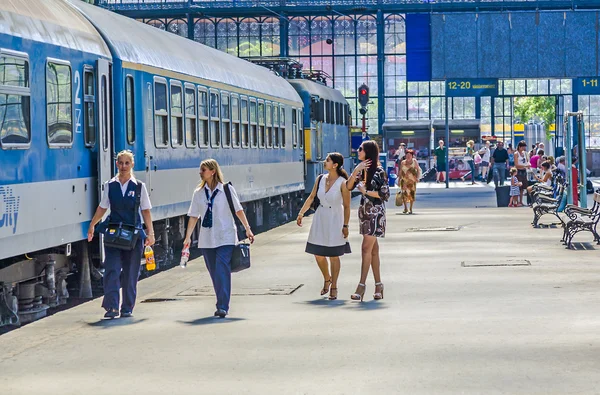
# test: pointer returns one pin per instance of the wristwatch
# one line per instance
(345, 226)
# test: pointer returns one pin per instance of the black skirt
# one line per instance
(315, 249)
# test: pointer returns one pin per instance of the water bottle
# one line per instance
(149, 255)
(185, 256)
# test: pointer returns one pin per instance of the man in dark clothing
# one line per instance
(499, 159)
(440, 160)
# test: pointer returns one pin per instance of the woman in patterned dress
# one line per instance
(410, 173)
(371, 180)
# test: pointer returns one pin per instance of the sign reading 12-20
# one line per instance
(472, 87)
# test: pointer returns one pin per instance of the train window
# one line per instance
(244, 116)
(15, 119)
(215, 120)
(235, 120)
(261, 124)
(294, 128)
(300, 129)
(253, 126)
(269, 118)
(161, 116)
(190, 117)
(104, 112)
(337, 114)
(89, 112)
(203, 117)
(225, 120)
(129, 110)
(348, 115)
(275, 125)
(282, 126)
(321, 111)
(59, 107)
(327, 111)
(332, 113)
(176, 114)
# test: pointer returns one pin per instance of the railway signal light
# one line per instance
(363, 95)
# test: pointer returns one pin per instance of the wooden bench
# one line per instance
(581, 219)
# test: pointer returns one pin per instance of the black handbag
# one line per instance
(240, 259)
(316, 201)
(124, 236)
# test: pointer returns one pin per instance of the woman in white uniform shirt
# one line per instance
(218, 232)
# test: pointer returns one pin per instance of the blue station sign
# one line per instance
(468, 87)
(586, 86)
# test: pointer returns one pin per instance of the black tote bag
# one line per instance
(240, 259)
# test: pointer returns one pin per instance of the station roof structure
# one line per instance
(166, 8)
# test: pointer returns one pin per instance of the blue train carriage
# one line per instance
(326, 126)
(49, 62)
(179, 102)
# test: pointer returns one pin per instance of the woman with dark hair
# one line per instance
(329, 230)
(522, 164)
(410, 173)
(371, 180)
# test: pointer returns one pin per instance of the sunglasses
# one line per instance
(360, 149)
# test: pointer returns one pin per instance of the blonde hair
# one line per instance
(470, 142)
(211, 164)
(129, 155)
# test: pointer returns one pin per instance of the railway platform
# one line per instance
(476, 301)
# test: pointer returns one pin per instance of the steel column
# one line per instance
(380, 72)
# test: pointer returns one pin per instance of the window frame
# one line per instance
(262, 133)
(269, 126)
(86, 100)
(161, 80)
(129, 77)
(225, 122)
(62, 63)
(178, 84)
(300, 115)
(190, 87)
(204, 119)
(282, 126)
(217, 94)
(295, 143)
(20, 91)
(245, 122)
(234, 97)
(255, 131)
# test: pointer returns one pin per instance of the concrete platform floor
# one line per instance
(455, 318)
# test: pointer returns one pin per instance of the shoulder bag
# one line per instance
(240, 259)
(124, 236)
(316, 201)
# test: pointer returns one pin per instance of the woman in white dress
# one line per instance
(329, 230)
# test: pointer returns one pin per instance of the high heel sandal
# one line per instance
(326, 287)
(331, 295)
(359, 296)
(378, 295)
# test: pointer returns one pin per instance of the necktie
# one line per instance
(207, 221)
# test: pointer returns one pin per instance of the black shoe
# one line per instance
(126, 314)
(110, 314)
(220, 313)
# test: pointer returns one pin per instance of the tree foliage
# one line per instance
(536, 108)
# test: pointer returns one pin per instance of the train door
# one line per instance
(105, 144)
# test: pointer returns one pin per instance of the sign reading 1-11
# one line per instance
(587, 86)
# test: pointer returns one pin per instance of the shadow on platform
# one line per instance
(324, 302)
(211, 320)
(106, 323)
